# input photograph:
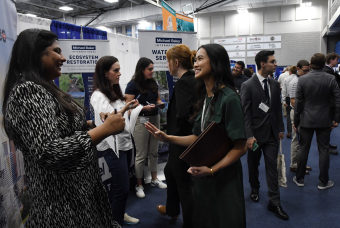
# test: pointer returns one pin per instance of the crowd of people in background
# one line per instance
(60, 146)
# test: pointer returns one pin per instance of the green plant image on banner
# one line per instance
(72, 83)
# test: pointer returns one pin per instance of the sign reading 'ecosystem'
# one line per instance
(82, 58)
(155, 45)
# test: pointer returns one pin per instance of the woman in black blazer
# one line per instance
(179, 192)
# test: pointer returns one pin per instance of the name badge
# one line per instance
(143, 120)
(264, 107)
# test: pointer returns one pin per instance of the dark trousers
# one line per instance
(118, 168)
(270, 151)
(322, 137)
(179, 192)
(289, 121)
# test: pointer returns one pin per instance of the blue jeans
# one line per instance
(119, 170)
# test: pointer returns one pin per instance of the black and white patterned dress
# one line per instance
(64, 183)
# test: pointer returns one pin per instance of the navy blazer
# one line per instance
(259, 124)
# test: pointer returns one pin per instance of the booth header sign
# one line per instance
(154, 45)
(83, 57)
(169, 17)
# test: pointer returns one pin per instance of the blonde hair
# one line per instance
(183, 54)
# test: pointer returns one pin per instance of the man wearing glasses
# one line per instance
(331, 62)
(264, 127)
(302, 69)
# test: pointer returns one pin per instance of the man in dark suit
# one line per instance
(264, 125)
(331, 62)
(312, 114)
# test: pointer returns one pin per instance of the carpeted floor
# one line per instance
(307, 206)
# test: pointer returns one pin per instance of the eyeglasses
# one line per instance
(273, 61)
(306, 71)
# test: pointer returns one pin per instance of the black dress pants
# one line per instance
(179, 190)
(289, 121)
(270, 151)
(322, 137)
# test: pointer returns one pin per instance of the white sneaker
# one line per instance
(158, 183)
(140, 192)
(130, 220)
(322, 186)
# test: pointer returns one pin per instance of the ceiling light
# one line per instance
(31, 15)
(306, 4)
(242, 10)
(111, 1)
(66, 8)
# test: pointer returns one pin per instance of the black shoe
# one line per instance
(332, 151)
(278, 211)
(254, 196)
(333, 146)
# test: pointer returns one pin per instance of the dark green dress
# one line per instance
(219, 200)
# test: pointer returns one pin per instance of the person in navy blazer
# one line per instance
(264, 127)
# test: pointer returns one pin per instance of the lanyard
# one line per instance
(204, 116)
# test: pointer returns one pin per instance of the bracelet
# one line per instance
(212, 174)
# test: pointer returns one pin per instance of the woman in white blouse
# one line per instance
(108, 98)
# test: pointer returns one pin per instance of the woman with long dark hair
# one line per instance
(179, 192)
(61, 165)
(106, 98)
(218, 190)
(144, 88)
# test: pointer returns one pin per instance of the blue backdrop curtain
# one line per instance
(94, 34)
(65, 30)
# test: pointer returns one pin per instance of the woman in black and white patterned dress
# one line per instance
(64, 183)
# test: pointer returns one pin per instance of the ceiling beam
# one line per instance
(134, 2)
(103, 2)
(40, 6)
(69, 4)
(153, 3)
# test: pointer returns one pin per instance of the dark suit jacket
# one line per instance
(337, 79)
(180, 108)
(259, 124)
(313, 92)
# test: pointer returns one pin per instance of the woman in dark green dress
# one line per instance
(218, 190)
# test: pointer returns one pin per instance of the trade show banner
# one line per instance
(77, 80)
(184, 23)
(14, 205)
(154, 45)
(169, 17)
(78, 69)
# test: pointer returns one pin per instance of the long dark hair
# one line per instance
(101, 82)
(220, 71)
(25, 65)
(144, 86)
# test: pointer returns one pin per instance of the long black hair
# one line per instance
(220, 71)
(144, 86)
(101, 82)
(25, 65)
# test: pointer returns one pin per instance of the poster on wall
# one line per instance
(237, 54)
(154, 45)
(259, 39)
(169, 17)
(14, 206)
(255, 46)
(252, 53)
(184, 23)
(235, 47)
(238, 40)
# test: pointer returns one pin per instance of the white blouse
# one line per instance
(101, 103)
